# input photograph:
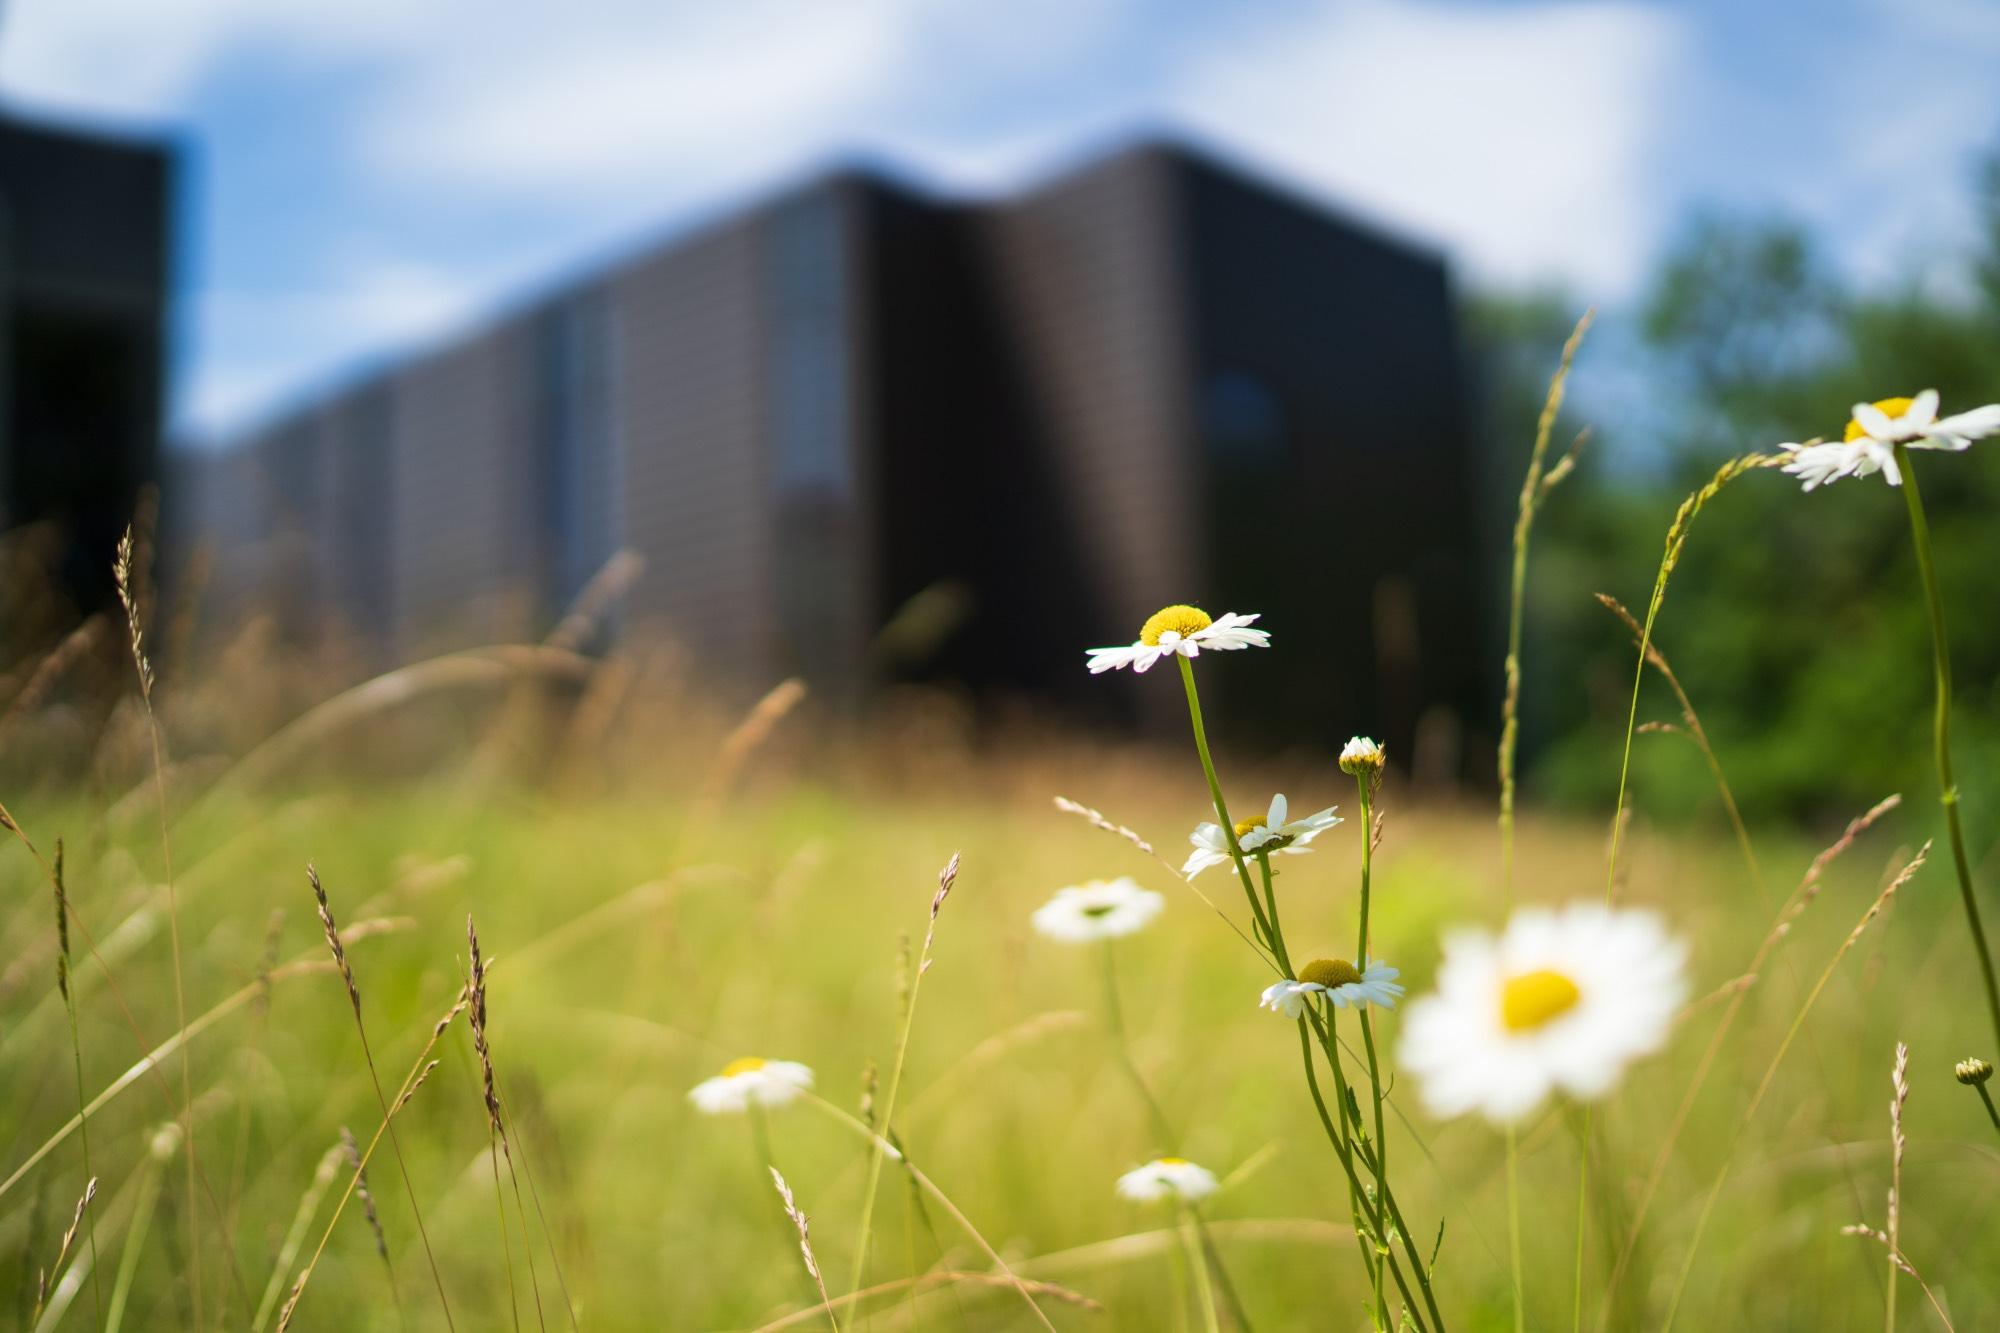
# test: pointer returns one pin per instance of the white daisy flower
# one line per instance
(1868, 444)
(751, 1080)
(1102, 909)
(1268, 832)
(1361, 755)
(1181, 629)
(1167, 1178)
(1343, 984)
(1563, 999)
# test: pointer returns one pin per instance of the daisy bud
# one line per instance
(1361, 756)
(1973, 1072)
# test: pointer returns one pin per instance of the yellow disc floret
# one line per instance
(1170, 1161)
(1535, 999)
(1330, 972)
(1244, 827)
(1182, 620)
(1888, 407)
(748, 1064)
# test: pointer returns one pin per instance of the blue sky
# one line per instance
(365, 175)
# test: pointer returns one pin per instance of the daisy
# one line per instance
(749, 1081)
(1102, 909)
(1167, 1178)
(1344, 986)
(1869, 443)
(1268, 832)
(1563, 999)
(1181, 629)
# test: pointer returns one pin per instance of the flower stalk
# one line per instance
(1920, 537)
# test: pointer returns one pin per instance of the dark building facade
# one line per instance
(84, 280)
(1147, 381)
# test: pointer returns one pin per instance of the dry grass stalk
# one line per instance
(805, 1244)
(130, 569)
(1097, 820)
(743, 740)
(1801, 898)
(74, 646)
(943, 1278)
(1899, 1084)
(62, 1251)
(1697, 733)
(76, 1054)
(295, 1235)
(1875, 909)
(419, 1071)
(1535, 488)
(613, 579)
(367, 1197)
(496, 1131)
(333, 943)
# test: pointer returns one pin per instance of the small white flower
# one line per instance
(1563, 999)
(1167, 1178)
(1868, 444)
(751, 1080)
(1102, 909)
(1180, 629)
(1340, 981)
(1268, 832)
(1360, 755)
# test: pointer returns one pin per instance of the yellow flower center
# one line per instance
(1888, 407)
(1535, 999)
(1170, 1161)
(749, 1064)
(1330, 972)
(1182, 620)
(1244, 826)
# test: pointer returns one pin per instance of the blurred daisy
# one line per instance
(1167, 1178)
(1340, 981)
(1181, 629)
(1102, 909)
(1268, 832)
(1563, 999)
(749, 1081)
(1868, 444)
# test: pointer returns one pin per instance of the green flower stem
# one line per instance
(1208, 1247)
(1115, 1019)
(1205, 1294)
(1222, 806)
(1371, 1241)
(1329, 1042)
(1514, 1229)
(1987, 1097)
(1362, 784)
(1271, 904)
(1920, 535)
(1350, 1115)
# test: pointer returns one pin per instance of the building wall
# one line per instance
(1085, 272)
(696, 505)
(83, 288)
(464, 543)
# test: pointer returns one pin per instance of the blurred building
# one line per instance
(83, 302)
(1006, 429)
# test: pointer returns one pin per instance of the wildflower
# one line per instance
(1869, 443)
(1180, 629)
(1102, 909)
(1972, 1072)
(1168, 1178)
(1342, 983)
(1564, 999)
(751, 1080)
(1268, 832)
(1360, 756)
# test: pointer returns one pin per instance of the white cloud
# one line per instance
(1523, 138)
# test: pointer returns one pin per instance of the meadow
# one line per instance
(475, 997)
(640, 940)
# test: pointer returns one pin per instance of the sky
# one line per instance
(361, 177)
